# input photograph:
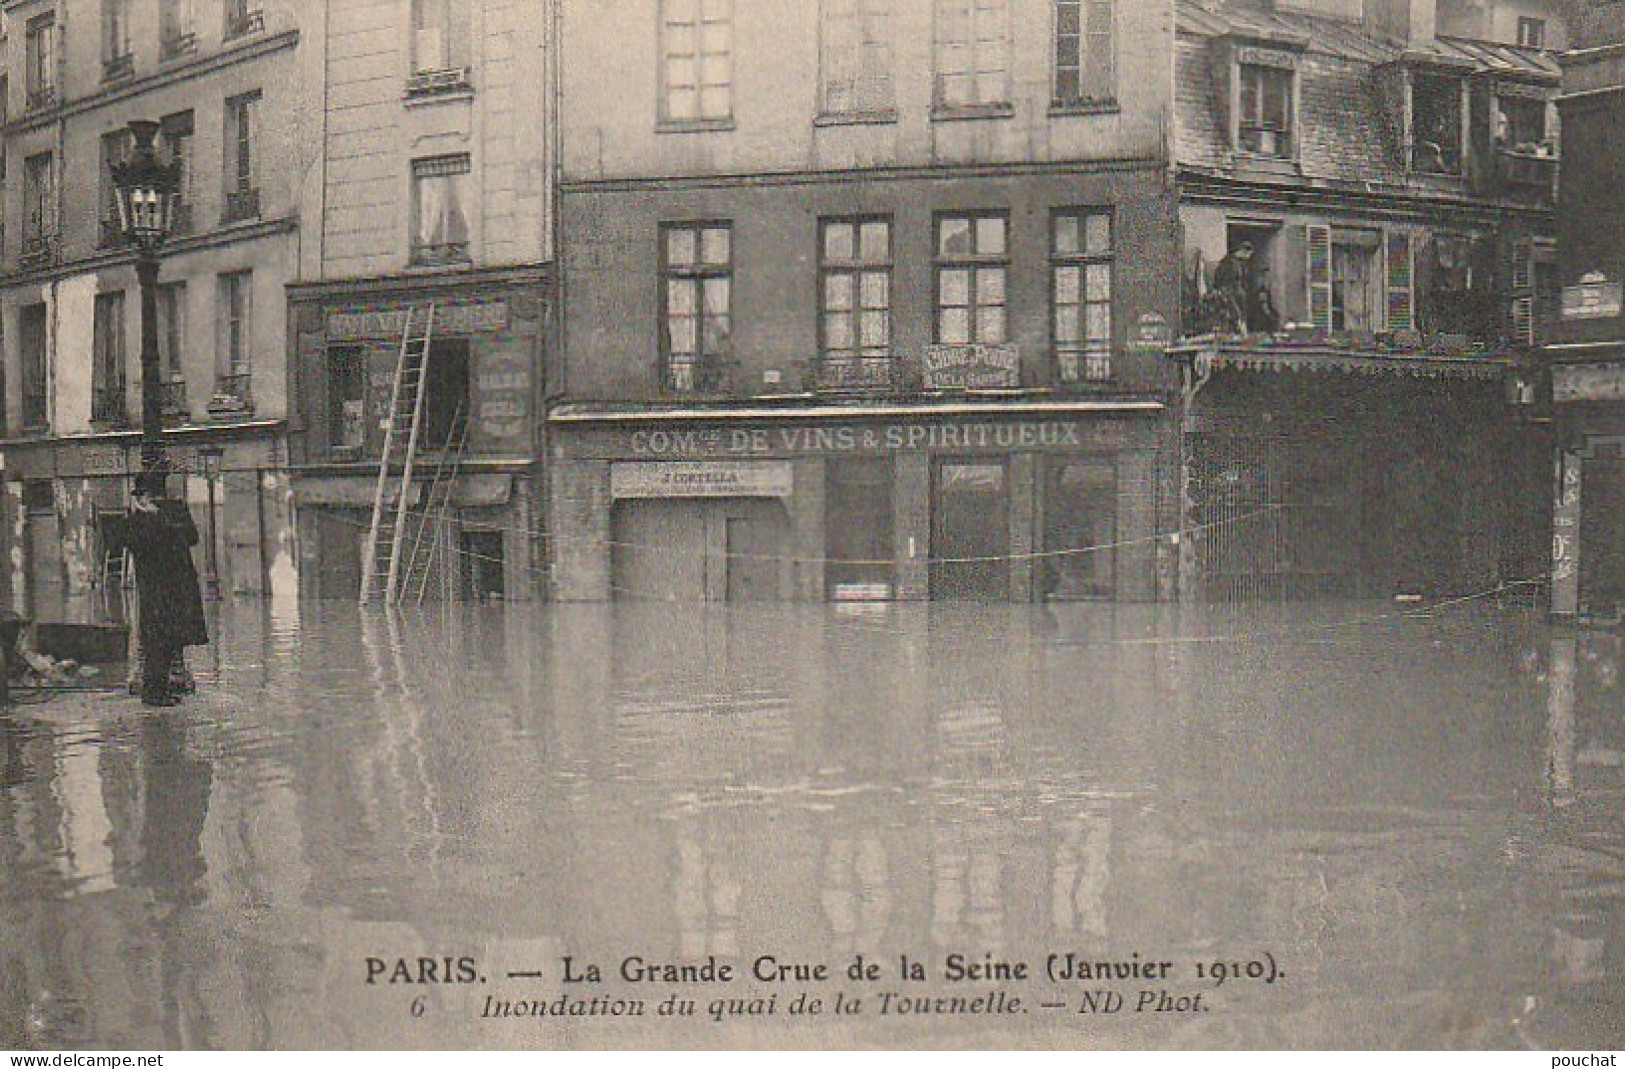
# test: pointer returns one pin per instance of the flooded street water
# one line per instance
(1413, 825)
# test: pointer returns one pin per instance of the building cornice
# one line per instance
(234, 234)
(1204, 186)
(869, 174)
(229, 56)
(222, 431)
(414, 282)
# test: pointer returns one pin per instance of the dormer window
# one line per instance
(1436, 123)
(1265, 126)
(1262, 97)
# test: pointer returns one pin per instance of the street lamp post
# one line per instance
(148, 195)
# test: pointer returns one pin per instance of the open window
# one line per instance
(1360, 281)
(1436, 123)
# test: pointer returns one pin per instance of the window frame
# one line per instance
(701, 119)
(34, 324)
(1081, 100)
(1456, 85)
(976, 263)
(1532, 32)
(856, 268)
(1093, 358)
(177, 28)
(861, 17)
(458, 166)
(118, 61)
(241, 150)
(109, 367)
(706, 366)
(179, 132)
(172, 330)
(235, 323)
(941, 106)
(456, 48)
(1286, 78)
(39, 198)
(39, 61)
(107, 211)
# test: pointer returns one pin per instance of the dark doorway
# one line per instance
(1080, 527)
(970, 531)
(482, 565)
(346, 399)
(858, 530)
(1602, 535)
(445, 401)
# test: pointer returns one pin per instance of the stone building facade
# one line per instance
(863, 300)
(436, 141)
(231, 84)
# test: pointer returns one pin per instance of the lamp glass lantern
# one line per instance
(148, 191)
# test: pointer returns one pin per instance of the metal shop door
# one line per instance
(1274, 520)
(970, 531)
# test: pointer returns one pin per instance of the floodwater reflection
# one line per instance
(1418, 818)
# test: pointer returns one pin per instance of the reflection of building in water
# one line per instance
(705, 893)
(857, 892)
(1560, 721)
(1081, 874)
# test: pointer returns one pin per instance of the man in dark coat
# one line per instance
(160, 534)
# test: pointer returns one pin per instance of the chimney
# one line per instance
(1412, 23)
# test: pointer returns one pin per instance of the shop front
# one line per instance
(987, 502)
(474, 526)
(61, 493)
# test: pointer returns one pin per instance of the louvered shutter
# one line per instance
(1523, 293)
(1318, 239)
(1400, 259)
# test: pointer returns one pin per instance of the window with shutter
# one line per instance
(1318, 239)
(1523, 293)
(1401, 282)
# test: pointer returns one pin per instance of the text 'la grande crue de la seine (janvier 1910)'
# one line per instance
(720, 989)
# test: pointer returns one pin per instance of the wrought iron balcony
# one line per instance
(41, 97)
(112, 234)
(444, 254)
(434, 82)
(1130, 371)
(40, 250)
(172, 397)
(176, 45)
(118, 67)
(706, 376)
(243, 23)
(858, 375)
(241, 205)
(233, 397)
(107, 406)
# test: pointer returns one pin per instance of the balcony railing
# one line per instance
(241, 205)
(39, 251)
(112, 234)
(233, 397)
(854, 375)
(177, 45)
(444, 254)
(107, 406)
(118, 67)
(1530, 172)
(243, 23)
(36, 411)
(41, 97)
(172, 398)
(433, 82)
(709, 376)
